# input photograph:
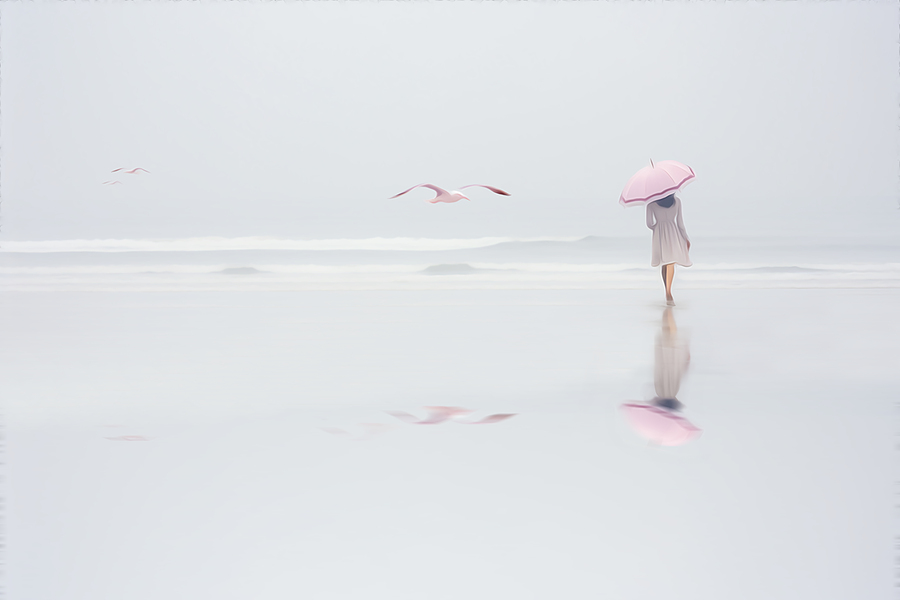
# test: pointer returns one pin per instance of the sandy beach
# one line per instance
(238, 445)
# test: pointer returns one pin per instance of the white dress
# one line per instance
(669, 236)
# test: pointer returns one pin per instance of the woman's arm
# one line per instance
(651, 222)
(680, 222)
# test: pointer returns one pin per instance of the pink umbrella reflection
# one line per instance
(659, 425)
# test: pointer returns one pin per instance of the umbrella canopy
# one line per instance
(659, 425)
(655, 182)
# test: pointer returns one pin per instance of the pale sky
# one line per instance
(300, 119)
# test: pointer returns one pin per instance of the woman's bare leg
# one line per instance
(662, 269)
(670, 275)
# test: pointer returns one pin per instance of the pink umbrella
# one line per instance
(655, 182)
(659, 425)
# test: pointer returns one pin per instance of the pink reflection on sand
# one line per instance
(442, 414)
(659, 425)
(435, 415)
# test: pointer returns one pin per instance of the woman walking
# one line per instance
(655, 187)
(670, 239)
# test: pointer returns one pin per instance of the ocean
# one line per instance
(272, 264)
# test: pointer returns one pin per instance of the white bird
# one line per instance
(453, 196)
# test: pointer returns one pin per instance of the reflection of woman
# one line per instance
(670, 239)
(672, 359)
(659, 420)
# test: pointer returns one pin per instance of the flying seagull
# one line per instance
(454, 196)
(132, 171)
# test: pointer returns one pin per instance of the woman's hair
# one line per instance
(667, 201)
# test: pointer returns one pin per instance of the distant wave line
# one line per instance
(207, 244)
(705, 271)
(477, 271)
(254, 284)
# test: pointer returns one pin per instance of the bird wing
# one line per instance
(138, 169)
(425, 185)
(119, 169)
(492, 188)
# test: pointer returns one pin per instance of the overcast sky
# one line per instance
(300, 119)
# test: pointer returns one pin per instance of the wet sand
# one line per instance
(236, 445)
